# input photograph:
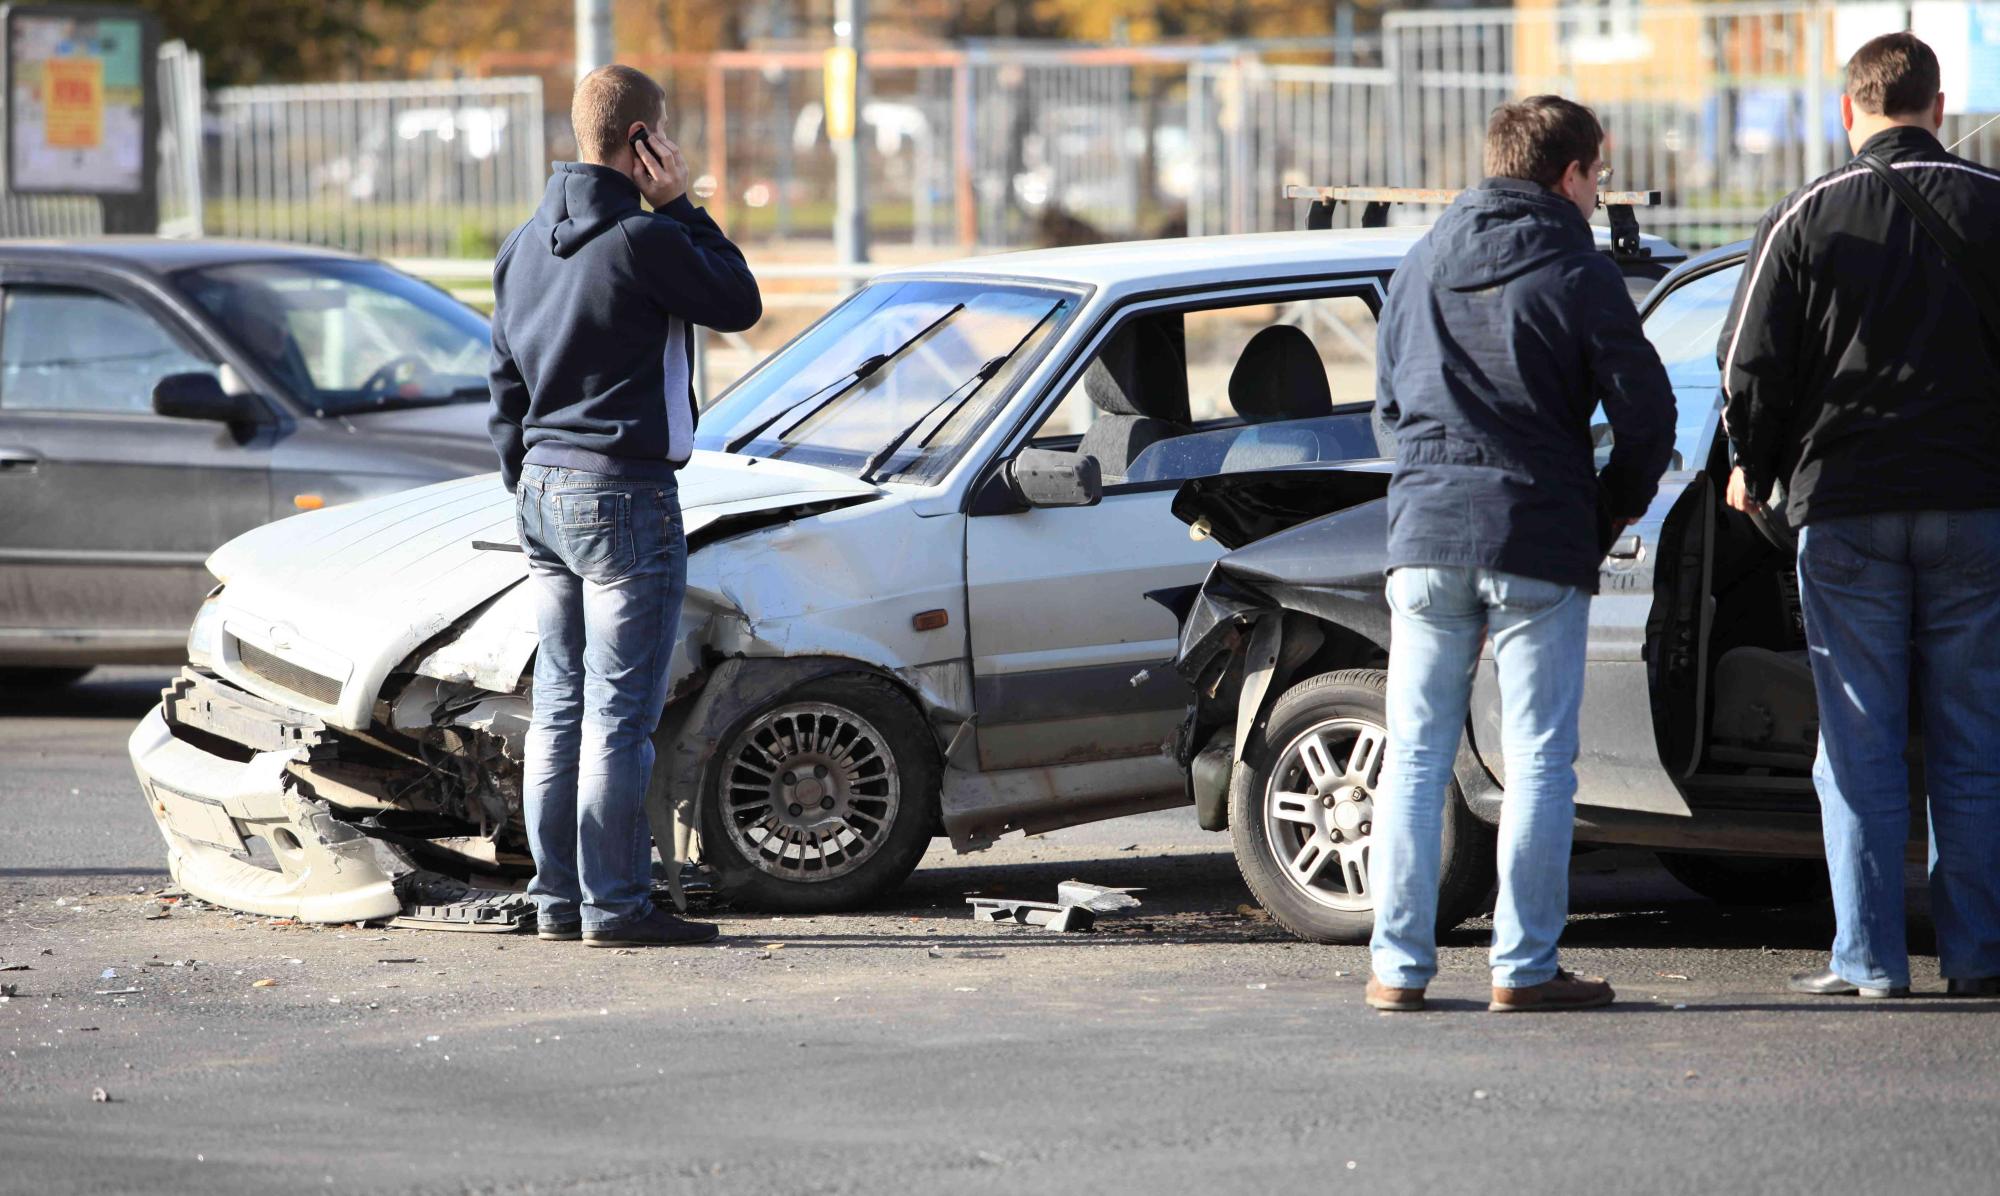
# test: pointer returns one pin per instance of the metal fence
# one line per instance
(1723, 107)
(424, 169)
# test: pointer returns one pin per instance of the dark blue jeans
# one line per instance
(1890, 599)
(608, 563)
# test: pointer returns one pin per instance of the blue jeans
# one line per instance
(608, 563)
(1890, 598)
(1539, 629)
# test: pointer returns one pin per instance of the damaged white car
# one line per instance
(921, 536)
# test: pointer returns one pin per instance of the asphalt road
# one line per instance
(1190, 1046)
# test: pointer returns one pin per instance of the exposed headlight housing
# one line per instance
(204, 646)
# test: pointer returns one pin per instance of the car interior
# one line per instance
(1278, 395)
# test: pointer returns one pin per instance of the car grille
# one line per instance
(286, 675)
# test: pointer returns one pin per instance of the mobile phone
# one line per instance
(638, 135)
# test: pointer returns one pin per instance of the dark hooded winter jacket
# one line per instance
(594, 299)
(1505, 328)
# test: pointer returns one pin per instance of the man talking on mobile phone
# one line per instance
(595, 299)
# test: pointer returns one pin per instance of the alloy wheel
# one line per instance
(811, 791)
(1319, 811)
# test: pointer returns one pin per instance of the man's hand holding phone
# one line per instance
(658, 169)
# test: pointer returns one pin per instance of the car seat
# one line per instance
(1139, 386)
(1278, 378)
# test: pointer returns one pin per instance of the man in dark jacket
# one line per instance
(1504, 329)
(593, 412)
(1860, 370)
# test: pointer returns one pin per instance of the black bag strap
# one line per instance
(1947, 238)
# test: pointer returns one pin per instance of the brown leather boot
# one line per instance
(1394, 1000)
(1565, 990)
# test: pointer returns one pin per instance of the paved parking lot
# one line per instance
(1187, 1046)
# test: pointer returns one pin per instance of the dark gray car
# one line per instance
(158, 398)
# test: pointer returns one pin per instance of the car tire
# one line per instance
(34, 680)
(1271, 839)
(844, 762)
(1743, 880)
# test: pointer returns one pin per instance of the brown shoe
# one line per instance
(1565, 991)
(1394, 1000)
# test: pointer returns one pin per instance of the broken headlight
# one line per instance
(205, 637)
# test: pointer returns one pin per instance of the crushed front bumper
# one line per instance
(239, 832)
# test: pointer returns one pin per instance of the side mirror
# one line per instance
(200, 396)
(1043, 478)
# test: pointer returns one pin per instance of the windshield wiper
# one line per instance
(979, 379)
(845, 383)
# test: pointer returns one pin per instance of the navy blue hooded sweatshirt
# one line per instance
(1505, 327)
(593, 302)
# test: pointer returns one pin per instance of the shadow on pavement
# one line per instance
(124, 693)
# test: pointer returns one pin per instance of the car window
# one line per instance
(64, 349)
(1280, 427)
(1684, 328)
(346, 336)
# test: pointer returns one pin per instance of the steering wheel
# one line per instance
(1771, 522)
(393, 373)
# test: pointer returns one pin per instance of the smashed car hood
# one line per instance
(357, 588)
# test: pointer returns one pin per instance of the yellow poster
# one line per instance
(73, 102)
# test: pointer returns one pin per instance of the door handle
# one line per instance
(1625, 548)
(13, 460)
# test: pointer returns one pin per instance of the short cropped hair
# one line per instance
(606, 103)
(1894, 75)
(1537, 138)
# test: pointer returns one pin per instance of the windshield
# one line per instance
(893, 382)
(348, 336)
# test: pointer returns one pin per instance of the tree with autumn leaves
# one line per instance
(268, 41)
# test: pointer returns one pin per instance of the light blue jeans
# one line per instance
(1888, 599)
(1540, 630)
(608, 563)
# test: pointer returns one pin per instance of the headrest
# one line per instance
(1139, 372)
(1279, 376)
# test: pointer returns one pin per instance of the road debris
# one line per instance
(935, 953)
(1076, 907)
(266, 982)
(1670, 975)
(9, 991)
(1044, 914)
(1098, 898)
(15, 967)
(116, 992)
(100, 1096)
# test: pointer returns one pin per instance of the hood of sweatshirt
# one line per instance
(582, 200)
(1502, 229)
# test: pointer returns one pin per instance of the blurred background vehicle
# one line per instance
(158, 398)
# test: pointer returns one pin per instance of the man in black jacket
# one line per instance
(1860, 370)
(1505, 328)
(593, 412)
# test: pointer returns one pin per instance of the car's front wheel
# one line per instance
(1303, 827)
(823, 798)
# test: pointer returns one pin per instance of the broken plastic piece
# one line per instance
(1033, 913)
(1097, 897)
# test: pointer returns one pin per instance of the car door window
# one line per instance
(65, 349)
(1684, 328)
(1252, 406)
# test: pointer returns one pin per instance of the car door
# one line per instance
(1069, 657)
(1646, 681)
(110, 509)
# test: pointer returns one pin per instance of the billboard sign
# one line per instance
(78, 78)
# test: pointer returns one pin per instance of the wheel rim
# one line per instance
(1319, 811)
(811, 792)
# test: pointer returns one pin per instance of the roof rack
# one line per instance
(1617, 206)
